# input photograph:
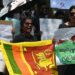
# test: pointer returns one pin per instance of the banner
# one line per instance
(65, 34)
(65, 52)
(6, 30)
(30, 58)
(16, 25)
(48, 27)
(10, 5)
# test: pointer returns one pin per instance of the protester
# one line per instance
(68, 69)
(26, 28)
(71, 20)
(45, 11)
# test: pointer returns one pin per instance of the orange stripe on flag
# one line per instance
(19, 61)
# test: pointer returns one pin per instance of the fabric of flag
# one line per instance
(30, 58)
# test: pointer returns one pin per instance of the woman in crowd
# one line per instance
(68, 69)
(71, 20)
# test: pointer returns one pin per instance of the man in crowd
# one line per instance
(26, 28)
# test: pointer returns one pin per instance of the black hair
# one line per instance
(72, 7)
(24, 19)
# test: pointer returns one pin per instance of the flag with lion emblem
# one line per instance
(30, 58)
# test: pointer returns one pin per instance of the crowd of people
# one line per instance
(30, 20)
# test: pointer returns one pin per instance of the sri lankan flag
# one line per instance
(29, 58)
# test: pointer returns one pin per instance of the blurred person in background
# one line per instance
(71, 19)
(42, 10)
(61, 14)
(45, 11)
(68, 69)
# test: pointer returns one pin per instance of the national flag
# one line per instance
(30, 58)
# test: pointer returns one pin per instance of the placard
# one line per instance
(48, 27)
(64, 34)
(6, 30)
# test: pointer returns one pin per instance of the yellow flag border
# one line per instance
(7, 61)
(30, 44)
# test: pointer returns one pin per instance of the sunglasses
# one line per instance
(28, 23)
(72, 14)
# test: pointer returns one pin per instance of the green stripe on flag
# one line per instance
(8, 49)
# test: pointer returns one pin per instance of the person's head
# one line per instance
(72, 14)
(59, 14)
(72, 10)
(26, 25)
(44, 9)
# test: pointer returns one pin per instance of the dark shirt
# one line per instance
(22, 38)
(66, 69)
(65, 26)
(62, 26)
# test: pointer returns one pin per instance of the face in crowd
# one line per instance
(72, 16)
(27, 26)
